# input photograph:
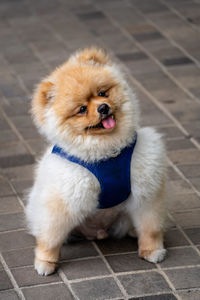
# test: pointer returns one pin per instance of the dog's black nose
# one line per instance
(103, 109)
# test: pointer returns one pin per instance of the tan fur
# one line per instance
(149, 242)
(43, 252)
(45, 257)
(67, 195)
(149, 238)
(76, 85)
(41, 99)
(93, 54)
(56, 206)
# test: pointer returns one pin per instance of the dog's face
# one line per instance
(84, 101)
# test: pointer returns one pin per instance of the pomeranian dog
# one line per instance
(102, 174)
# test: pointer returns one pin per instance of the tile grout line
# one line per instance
(157, 270)
(12, 279)
(154, 269)
(37, 54)
(15, 130)
(41, 284)
(178, 171)
(165, 111)
(168, 281)
(185, 235)
(139, 45)
(67, 283)
(157, 103)
(177, 13)
(16, 194)
(122, 289)
(90, 278)
(173, 42)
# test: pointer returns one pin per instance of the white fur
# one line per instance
(78, 189)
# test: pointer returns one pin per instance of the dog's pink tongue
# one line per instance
(109, 123)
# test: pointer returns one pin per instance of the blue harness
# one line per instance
(113, 174)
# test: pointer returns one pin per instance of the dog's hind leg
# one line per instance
(148, 218)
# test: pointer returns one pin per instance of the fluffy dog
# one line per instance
(89, 114)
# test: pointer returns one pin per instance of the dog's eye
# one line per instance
(83, 109)
(102, 94)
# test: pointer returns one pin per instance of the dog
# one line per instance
(101, 172)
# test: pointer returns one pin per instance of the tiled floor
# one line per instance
(157, 42)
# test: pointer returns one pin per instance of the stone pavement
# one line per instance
(157, 43)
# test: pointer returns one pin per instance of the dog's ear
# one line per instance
(43, 95)
(93, 54)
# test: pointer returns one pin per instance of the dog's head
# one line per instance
(86, 106)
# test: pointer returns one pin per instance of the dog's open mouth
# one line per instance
(106, 123)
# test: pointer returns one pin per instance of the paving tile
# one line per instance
(12, 221)
(170, 132)
(149, 7)
(134, 284)
(177, 61)
(79, 249)
(8, 295)
(184, 278)
(189, 295)
(156, 81)
(156, 297)
(17, 160)
(178, 187)
(187, 218)
(3, 124)
(128, 262)
(85, 268)
(192, 170)
(8, 136)
(17, 109)
(179, 144)
(140, 68)
(187, 75)
(194, 234)
(58, 291)
(26, 276)
(180, 257)
(12, 149)
(98, 289)
(5, 188)
(169, 52)
(19, 173)
(5, 282)
(9, 204)
(144, 37)
(154, 119)
(181, 202)
(15, 240)
(172, 174)
(196, 182)
(112, 246)
(19, 257)
(174, 238)
(132, 56)
(38, 146)
(184, 156)
(91, 15)
(21, 186)
(185, 111)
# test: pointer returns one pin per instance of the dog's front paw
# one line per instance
(154, 256)
(44, 267)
